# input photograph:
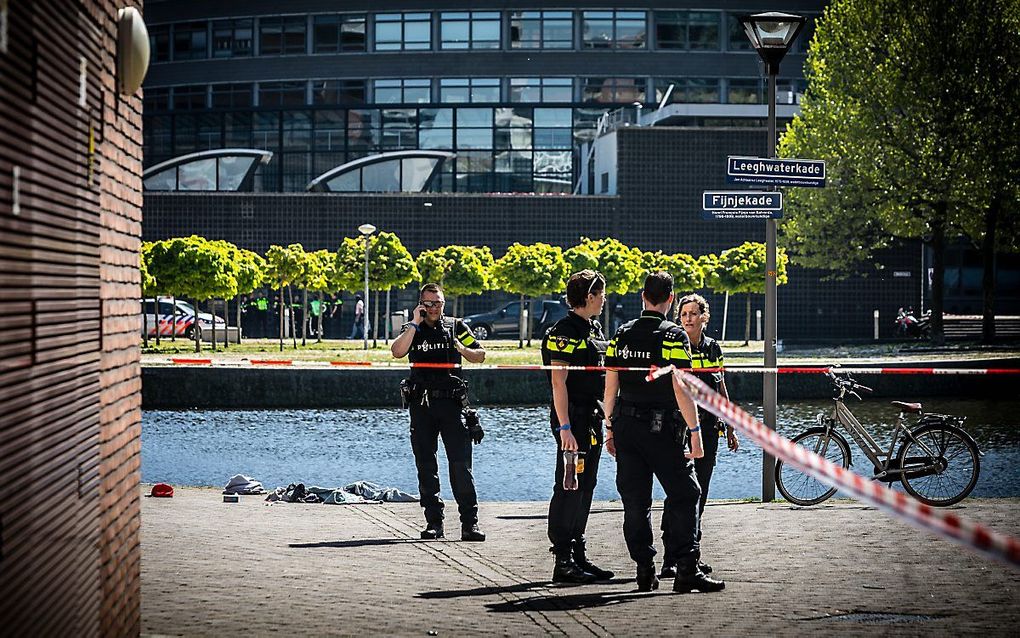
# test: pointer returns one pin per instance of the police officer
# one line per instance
(692, 313)
(576, 340)
(436, 398)
(646, 435)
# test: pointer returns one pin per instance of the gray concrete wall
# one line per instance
(180, 388)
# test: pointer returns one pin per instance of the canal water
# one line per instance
(331, 448)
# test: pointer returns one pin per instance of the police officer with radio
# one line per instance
(437, 399)
(646, 435)
(576, 340)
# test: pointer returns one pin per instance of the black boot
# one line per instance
(581, 559)
(471, 533)
(689, 578)
(432, 531)
(646, 578)
(567, 571)
(704, 567)
(668, 570)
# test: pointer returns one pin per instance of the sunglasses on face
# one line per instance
(432, 304)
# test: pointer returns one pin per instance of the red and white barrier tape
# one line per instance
(539, 367)
(1001, 547)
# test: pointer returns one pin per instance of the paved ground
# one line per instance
(210, 568)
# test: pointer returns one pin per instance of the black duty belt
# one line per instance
(639, 411)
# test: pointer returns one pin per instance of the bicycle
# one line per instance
(938, 462)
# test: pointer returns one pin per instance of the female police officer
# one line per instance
(436, 397)
(646, 437)
(576, 340)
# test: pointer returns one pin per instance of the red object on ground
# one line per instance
(205, 362)
(162, 490)
(271, 362)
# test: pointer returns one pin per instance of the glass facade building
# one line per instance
(512, 92)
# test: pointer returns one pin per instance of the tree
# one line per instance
(530, 271)
(321, 279)
(896, 107)
(580, 258)
(460, 270)
(619, 264)
(251, 271)
(686, 271)
(742, 269)
(714, 281)
(390, 264)
(207, 271)
(284, 266)
(164, 264)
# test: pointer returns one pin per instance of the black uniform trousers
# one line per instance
(703, 469)
(640, 454)
(569, 509)
(442, 417)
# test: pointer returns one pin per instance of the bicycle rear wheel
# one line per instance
(948, 474)
(803, 489)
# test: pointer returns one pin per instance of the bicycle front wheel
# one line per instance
(940, 464)
(802, 489)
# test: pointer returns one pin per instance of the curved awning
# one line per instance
(394, 172)
(224, 169)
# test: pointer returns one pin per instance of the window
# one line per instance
(541, 30)
(688, 90)
(159, 42)
(156, 100)
(474, 128)
(231, 38)
(615, 29)
(469, 30)
(469, 90)
(402, 91)
(403, 31)
(614, 90)
(282, 36)
(736, 36)
(541, 90)
(338, 33)
(338, 91)
(282, 93)
(189, 98)
(190, 41)
(744, 91)
(687, 30)
(231, 96)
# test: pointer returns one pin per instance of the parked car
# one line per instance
(505, 320)
(185, 318)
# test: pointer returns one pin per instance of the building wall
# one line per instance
(70, 217)
(662, 173)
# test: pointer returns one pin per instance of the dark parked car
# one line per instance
(504, 320)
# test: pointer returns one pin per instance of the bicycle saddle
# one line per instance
(908, 407)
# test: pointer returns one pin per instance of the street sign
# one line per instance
(775, 172)
(742, 205)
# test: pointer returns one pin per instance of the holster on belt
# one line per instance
(416, 393)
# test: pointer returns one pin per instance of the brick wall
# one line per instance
(70, 219)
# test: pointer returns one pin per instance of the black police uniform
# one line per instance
(707, 354)
(576, 341)
(436, 398)
(648, 432)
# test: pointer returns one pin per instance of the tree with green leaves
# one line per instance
(711, 269)
(251, 269)
(207, 271)
(686, 271)
(390, 264)
(619, 264)
(742, 269)
(284, 266)
(321, 279)
(915, 127)
(164, 265)
(460, 270)
(580, 258)
(530, 271)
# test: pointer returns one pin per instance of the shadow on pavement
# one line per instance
(510, 589)
(542, 517)
(570, 602)
(364, 542)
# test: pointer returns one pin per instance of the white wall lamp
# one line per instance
(132, 50)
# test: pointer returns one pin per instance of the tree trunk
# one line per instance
(155, 318)
(226, 323)
(988, 269)
(747, 321)
(375, 321)
(387, 321)
(279, 307)
(212, 314)
(520, 325)
(725, 315)
(304, 317)
(531, 320)
(145, 325)
(938, 245)
(293, 324)
(196, 329)
(173, 331)
(237, 308)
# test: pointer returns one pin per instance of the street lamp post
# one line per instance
(366, 230)
(772, 34)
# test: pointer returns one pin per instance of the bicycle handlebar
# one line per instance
(848, 382)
